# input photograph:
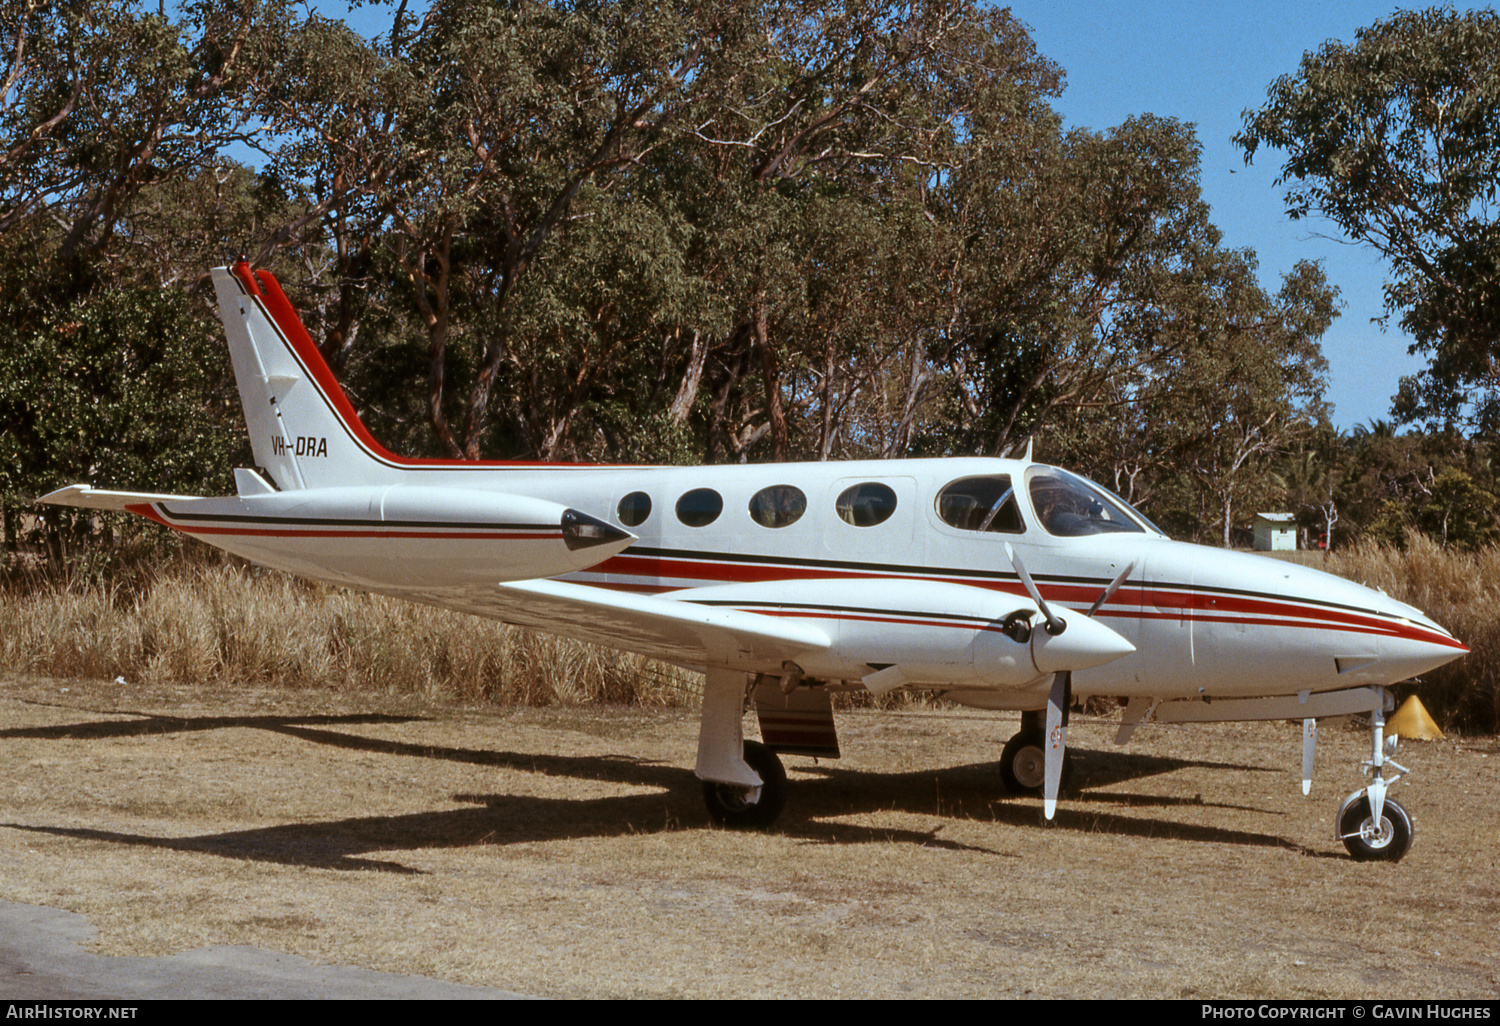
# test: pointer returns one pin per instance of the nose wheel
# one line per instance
(1370, 841)
(1372, 826)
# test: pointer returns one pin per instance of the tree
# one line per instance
(1395, 140)
(99, 99)
(1079, 276)
(124, 389)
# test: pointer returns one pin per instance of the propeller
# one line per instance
(1055, 624)
(1060, 695)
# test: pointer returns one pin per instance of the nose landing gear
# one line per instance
(1373, 827)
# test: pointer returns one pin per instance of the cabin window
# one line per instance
(700, 507)
(634, 509)
(981, 504)
(865, 505)
(1069, 506)
(778, 506)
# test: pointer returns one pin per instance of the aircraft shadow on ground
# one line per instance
(821, 800)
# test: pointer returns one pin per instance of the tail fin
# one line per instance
(302, 429)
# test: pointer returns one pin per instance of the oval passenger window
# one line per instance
(700, 507)
(868, 504)
(634, 509)
(778, 506)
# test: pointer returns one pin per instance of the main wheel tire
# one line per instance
(1368, 842)
(1023, 765)
(749, 808)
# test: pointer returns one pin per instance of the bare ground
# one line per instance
(566, 852)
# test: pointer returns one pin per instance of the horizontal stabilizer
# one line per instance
(89, 497)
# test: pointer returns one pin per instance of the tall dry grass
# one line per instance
(1461, 591)
(211, 621)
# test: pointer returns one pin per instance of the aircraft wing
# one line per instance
(672, 630)
(89, 497)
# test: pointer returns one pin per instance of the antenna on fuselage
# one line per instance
(1016, 454)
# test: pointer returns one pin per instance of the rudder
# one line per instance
(302, 429)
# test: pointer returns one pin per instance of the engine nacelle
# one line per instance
(924, 632)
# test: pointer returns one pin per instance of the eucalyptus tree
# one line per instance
(113, 116)
(1077, 275)
(817, 196)
(1254, 388)
(99, 99)
(1393, 138)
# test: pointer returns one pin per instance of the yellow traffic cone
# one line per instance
(1412, 721)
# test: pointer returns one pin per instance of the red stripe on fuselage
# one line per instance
(150, 513)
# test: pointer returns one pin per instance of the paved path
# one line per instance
(42, 958)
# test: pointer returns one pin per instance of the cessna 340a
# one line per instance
(998, 583)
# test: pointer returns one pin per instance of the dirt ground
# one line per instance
(566, 852)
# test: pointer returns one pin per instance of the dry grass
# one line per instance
(564, 852)
(209, 621)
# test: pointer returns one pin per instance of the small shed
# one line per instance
(1275, 532)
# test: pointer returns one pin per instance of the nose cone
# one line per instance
(1082, 643)
(1377, 639)
(1415, 645)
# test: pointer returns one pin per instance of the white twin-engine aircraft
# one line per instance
(997, 583)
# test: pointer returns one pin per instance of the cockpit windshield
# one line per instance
(1069, 506)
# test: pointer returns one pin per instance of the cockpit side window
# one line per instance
(981, 504)
(1069, 506)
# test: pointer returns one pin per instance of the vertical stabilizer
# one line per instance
(302, 429)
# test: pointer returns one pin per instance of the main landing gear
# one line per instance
(749, 808)
(1023, 761)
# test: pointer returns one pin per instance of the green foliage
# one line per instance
(100, 385)
(1391, 525)
(1460, 512)
(123, 389)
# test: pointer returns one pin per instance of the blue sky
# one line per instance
(1206, 62)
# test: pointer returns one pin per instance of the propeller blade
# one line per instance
(1056, 739)
(1309, 752)
(1114, 586)
(1055, 623)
